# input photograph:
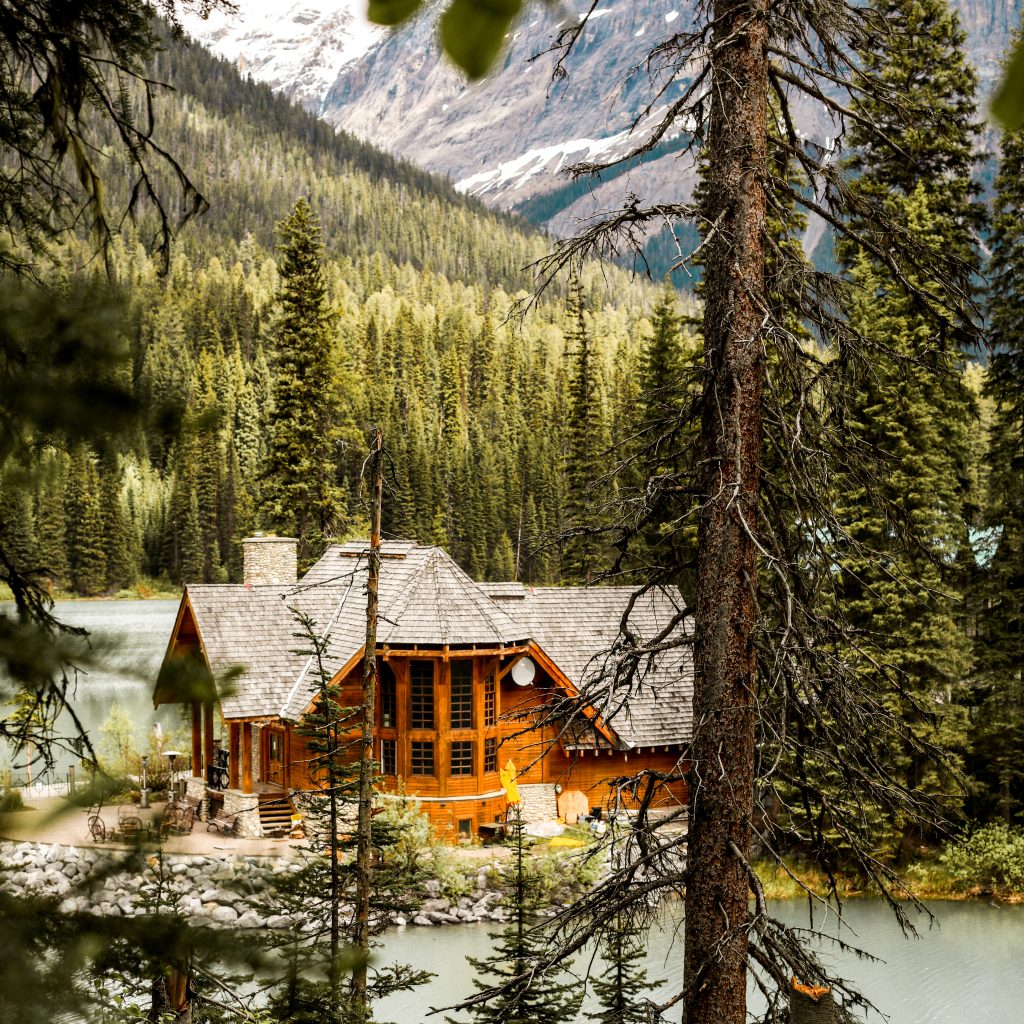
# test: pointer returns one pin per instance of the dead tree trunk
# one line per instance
(722, 774)
(363, 837)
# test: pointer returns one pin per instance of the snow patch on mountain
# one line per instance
(298, 47)
(545, 161)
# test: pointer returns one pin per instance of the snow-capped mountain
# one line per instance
(506, 139)
(298, 47)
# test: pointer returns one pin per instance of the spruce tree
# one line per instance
(998, 726)
(51, 541)
(87, 562)
(548, 998)
(624, 990)
(17, 525)
(909, 409)
(117, 547)
(301, 493)
(586, 448)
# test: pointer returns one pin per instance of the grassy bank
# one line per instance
(146, 589)
(924, 879)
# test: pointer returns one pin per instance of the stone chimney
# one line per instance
(269, 560)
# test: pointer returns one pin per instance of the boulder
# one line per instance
(224, 915)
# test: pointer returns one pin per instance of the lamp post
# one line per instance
(144, 793)
(171, 755)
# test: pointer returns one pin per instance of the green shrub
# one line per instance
(991, 857)
(11, 801)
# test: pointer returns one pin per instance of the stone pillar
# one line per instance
(246, 808)
(257, 748)
(195, 790)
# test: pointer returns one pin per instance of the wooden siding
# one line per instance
(537, 754)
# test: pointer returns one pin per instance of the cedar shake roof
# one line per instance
(577, 627)
(426, 600)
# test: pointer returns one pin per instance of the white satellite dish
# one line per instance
(523, 672)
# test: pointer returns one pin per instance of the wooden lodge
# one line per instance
(470, 676)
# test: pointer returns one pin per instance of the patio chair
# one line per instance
(99, 830)
(180, 820)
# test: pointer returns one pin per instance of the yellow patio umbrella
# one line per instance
(508, 781)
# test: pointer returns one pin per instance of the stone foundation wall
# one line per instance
(538, 802)
(246, 808)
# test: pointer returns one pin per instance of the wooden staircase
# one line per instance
(276, 812)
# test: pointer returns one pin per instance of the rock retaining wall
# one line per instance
(229, 892)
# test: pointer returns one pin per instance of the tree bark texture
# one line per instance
(722, 773)
(366, 767)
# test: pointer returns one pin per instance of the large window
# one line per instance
(462, 757)
(422, 757)
(388, 697)
(389, 757)
(421, 687)
(462, 695)
(490, 702)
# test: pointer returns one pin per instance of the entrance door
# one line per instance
(275, 757)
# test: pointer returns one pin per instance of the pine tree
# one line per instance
(17, 525)
(51, 540)
(301, 494)
(549, 998)
(586, 444)
(623, 991)
(83, 516)
(998, 728)
(117, 548)
(910, 408)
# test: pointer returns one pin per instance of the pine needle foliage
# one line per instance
(527, 992)
(302, 496)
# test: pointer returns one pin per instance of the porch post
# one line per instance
(197, 740)
(246, 757)
(207, 738)
(234, 754)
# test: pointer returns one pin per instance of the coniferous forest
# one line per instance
(871, 689)
(330, 287)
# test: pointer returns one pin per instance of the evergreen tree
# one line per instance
(17, 525)
(549, 998)
(301, 495)
(910, 408)
(87, 563)
(998, 730)
(321, 893)
(117, 547)
(586, 445)
(50, 532)
(624, 989)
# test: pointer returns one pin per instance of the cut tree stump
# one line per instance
(809, 1004)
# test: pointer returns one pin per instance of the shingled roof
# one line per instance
(426, 600)
(577, 628)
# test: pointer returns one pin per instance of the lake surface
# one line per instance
(138, 632)
(967, 967)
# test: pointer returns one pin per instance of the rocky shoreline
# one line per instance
(221, 891)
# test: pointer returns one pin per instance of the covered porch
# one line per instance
(252, 755)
